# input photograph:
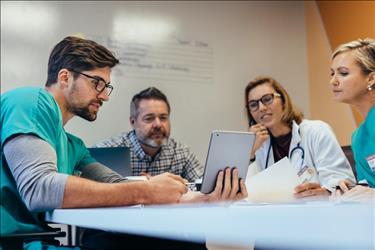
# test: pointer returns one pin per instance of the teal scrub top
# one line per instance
(363, 145)
(31, 110)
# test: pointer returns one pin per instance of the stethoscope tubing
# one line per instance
(291, 152)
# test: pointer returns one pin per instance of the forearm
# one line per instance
(80, 192)
(333, 168)
(32, 162)
(100, 173)
(161, 189)
(330, 161)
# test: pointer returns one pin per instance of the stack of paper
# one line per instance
(275, 184)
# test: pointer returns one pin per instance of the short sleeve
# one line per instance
(78, 153)
(29, 111)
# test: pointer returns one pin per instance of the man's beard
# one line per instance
(83, 112)
(80, 109)
(148, 141)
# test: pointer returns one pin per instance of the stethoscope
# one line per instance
(295, 149)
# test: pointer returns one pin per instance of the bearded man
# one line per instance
(152, 149)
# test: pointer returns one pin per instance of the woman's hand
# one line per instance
(348, 191)
(310, 189)
(261, 134)
(345, 185)
(359, 193)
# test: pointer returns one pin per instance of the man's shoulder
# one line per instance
(177, 145)
(120, 140)
(22, 91)
(24, 96)
(28, 98)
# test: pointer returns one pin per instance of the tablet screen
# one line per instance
(227, 148)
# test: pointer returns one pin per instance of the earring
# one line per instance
(370, 87)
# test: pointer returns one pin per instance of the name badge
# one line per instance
(371, 161)
(306, 174)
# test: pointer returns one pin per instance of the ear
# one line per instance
(63, 78)
(371, 78)
(132, 121)
(371, 81)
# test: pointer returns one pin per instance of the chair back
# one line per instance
(349, 155)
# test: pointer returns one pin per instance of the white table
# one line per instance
(313, 225)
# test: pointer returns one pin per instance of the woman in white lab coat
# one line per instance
(282, 132)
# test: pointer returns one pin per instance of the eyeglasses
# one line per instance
(100, 84)
(266, 99)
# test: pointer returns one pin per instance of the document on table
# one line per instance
(275, 184)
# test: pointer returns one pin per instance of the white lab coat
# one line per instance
(322, 151)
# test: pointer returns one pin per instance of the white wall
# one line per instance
(247, 39)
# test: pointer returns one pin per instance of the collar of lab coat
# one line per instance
(296, 135)
(296, 138)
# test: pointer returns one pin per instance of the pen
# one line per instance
(190, 185)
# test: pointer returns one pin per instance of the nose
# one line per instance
(103, 96)
(333, 81)
(261, 106)
(156, 123)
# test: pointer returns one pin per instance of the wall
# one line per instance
(322, 106)
(247, 39)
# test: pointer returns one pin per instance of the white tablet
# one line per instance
(227, 149)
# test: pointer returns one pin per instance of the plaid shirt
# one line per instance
(173, 157)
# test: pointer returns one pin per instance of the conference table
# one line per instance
(309, 225)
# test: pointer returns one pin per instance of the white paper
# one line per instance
(136, 178)
(275, 184)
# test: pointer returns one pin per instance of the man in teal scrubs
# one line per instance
(38, 158)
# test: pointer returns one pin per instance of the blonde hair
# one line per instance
(364, 51)
(290, 113)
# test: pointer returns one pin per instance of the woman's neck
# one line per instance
(364, 105)
(280, 130)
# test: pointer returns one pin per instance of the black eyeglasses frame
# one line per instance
(97, 81)
(262, 100)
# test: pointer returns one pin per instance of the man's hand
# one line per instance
(261, 134)
(310, 189)
(231, 190)
(228, 188)
(165, 188)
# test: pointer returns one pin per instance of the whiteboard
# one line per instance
(200, 54)
(164, 59)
